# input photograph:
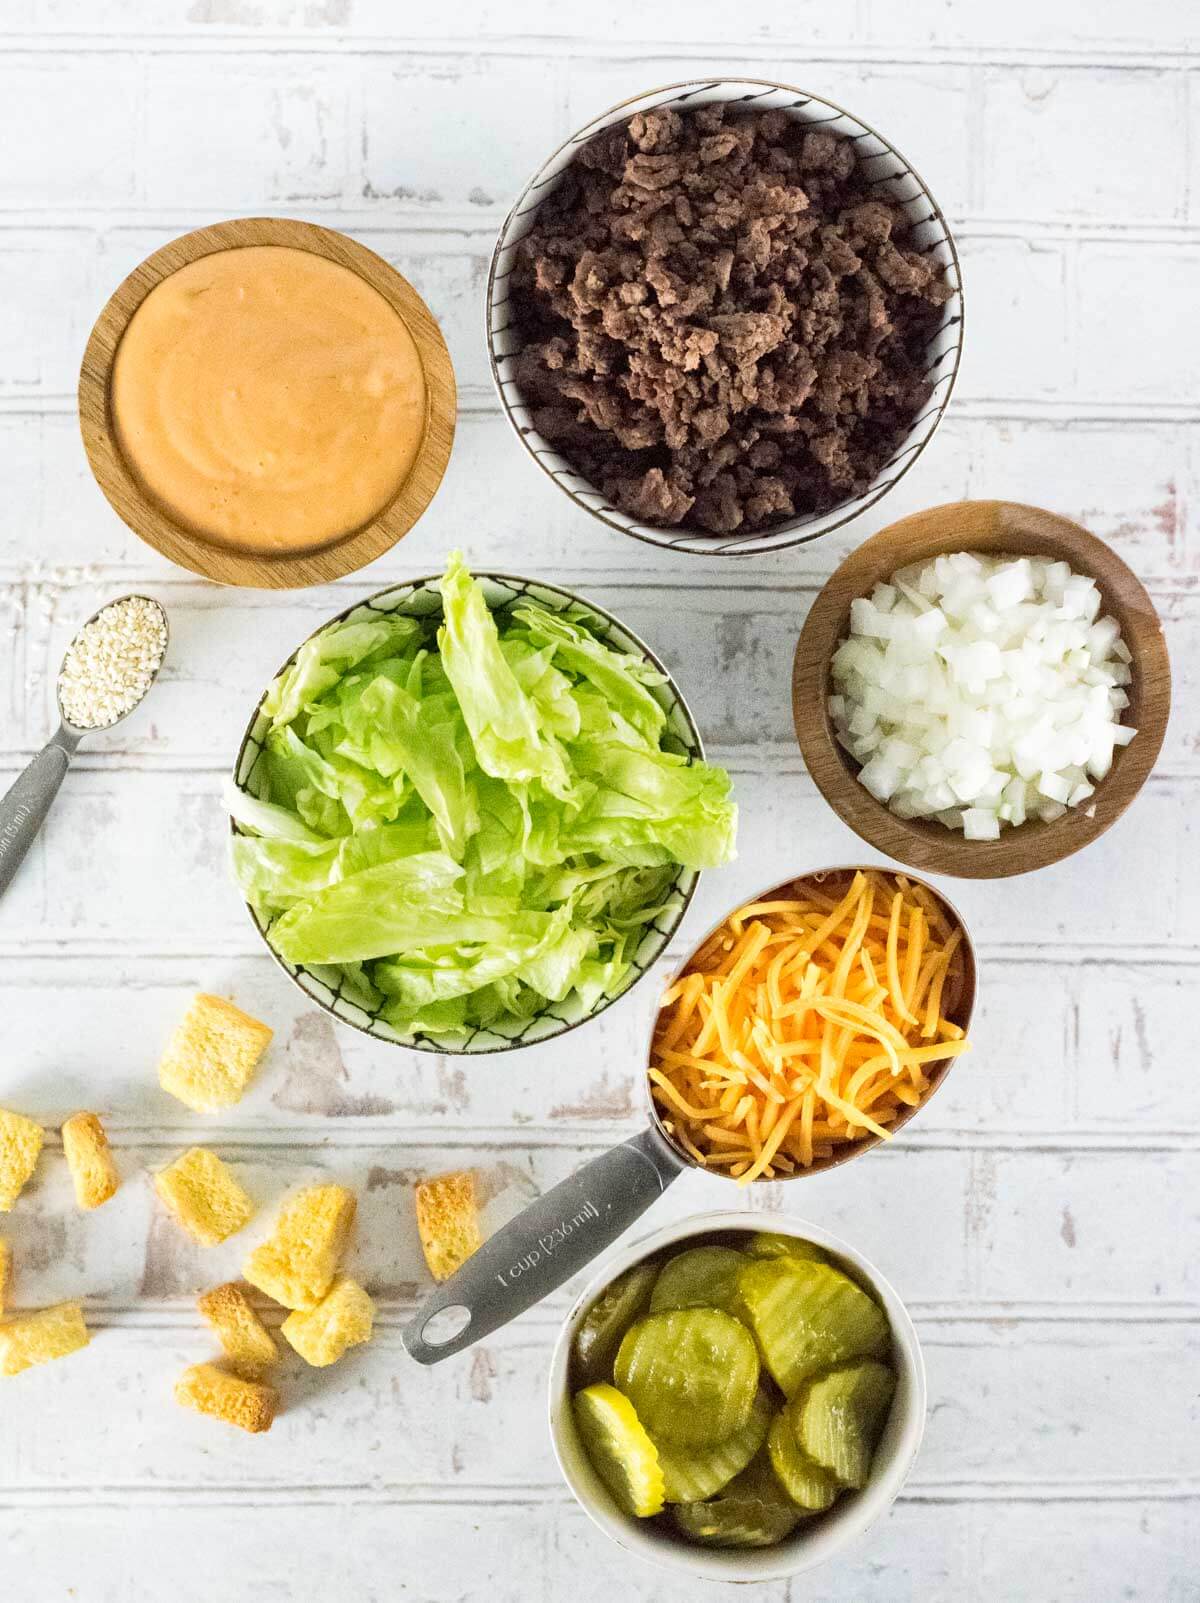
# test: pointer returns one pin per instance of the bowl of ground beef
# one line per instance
(725, 317)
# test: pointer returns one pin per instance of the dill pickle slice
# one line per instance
(808, 1485)
(807, 1317)
(702, 1277)
(691, 1373)
(691, 1474)
(619, 1449)
(767, 1244)
(607, 1320)
(838, 1418)
(752, 1511)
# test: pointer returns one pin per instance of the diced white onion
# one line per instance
(979, 824)
(982, 690)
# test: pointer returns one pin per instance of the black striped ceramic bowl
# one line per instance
(422, 598)
(891, 172)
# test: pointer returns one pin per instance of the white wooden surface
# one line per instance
(1041, 1219)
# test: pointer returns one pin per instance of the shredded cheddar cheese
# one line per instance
(807, 1021)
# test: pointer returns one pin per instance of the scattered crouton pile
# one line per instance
(48, 1333)
(207, 1065)
(297, 1267)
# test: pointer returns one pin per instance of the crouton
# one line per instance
(212, 1054)
(20, 1146)
(343, 1318)
(248, 1404)
(204, 1197)
(448, 1221)
(5, 1271)
(297, 1264)
(89, 1160)
(37, 1338)
(245, 1338)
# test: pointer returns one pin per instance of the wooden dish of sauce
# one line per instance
(267, 403)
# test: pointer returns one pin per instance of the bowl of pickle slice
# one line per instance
(737, 1396)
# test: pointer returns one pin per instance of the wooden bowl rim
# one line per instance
(1000, 526)
(963, 1011)
(207, 557)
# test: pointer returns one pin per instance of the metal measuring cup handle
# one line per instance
(544, 1246)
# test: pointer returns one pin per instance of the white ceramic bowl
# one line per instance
(422, 598)
(891, 173)
(814, 1541)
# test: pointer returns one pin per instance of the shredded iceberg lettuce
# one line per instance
(469, 819)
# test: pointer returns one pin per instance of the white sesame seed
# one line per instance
(111, 663)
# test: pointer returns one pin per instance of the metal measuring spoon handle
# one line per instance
(27, 801)
(25, 804)
(543, 1246)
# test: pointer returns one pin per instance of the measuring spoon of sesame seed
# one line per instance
(107, 670)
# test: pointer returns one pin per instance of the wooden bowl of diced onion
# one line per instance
(988, 528)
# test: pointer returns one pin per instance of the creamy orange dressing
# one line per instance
(268, 398)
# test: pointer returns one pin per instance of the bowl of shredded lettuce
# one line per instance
(470, 812)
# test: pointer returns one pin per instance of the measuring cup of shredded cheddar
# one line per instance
(808, 1026)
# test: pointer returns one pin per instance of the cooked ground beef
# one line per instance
(723, 325)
